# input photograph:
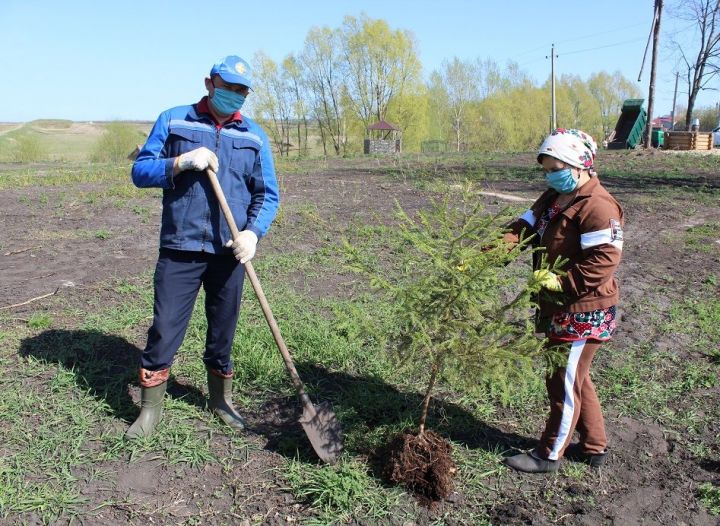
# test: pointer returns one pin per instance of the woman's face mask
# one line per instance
(562, 180)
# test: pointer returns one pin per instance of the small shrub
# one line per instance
(28, 148)
(117, 141)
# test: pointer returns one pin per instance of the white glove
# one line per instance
(198, 159)
(244, 245)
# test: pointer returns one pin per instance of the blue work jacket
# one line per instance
(191, 216)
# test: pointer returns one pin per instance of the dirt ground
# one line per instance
(44, 249)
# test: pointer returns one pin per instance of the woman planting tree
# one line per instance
(576, 219)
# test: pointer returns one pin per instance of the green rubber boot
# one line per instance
(151, 399)
(220, 403)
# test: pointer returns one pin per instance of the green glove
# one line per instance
(548, 280)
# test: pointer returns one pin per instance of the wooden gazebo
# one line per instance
(383, 138)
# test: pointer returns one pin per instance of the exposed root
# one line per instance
(423, 464)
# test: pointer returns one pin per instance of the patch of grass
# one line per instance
(44, 436)
(709, 495)
(475, 467)
(339, 492)
(703, 238)
(141, 211)
(699, 316)
(40, 320)
(116, 176)
(102, 234)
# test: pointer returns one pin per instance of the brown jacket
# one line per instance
(589, 233)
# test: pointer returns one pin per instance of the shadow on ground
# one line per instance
(104, 364)
(369, 407)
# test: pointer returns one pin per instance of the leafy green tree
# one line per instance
(273, 101)
(576, 106)
(409, 112)
(379, 64)
(455, 299)
(610, 91)
(515, 120)
(322, 62)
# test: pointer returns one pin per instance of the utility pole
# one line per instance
(672, 114)
(653, 67)
(553, 114)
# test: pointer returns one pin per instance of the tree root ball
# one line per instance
(422, 464)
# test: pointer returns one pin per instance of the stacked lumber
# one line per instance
(685, 140)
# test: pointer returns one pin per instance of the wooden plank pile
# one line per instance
(688, 140)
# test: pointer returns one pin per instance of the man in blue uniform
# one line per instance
(196, 246)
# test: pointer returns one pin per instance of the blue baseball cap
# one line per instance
(234, 70)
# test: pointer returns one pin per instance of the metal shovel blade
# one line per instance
(323, 429)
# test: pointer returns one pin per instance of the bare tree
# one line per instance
(460, 80)
(701, 58)
(292, 71)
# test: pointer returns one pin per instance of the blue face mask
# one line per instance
(562, 180)
(227, 102)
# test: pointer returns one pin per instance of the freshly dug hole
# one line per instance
(421, 463)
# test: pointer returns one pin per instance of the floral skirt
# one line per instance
(597, 325)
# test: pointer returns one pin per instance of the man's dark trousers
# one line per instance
(178, 277)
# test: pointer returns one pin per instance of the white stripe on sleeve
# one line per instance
(528, 217)
(600, 237)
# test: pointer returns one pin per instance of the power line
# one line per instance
(601, 33)
(544, 46)
(603, 47)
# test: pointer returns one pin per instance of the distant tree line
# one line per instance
(346, 78)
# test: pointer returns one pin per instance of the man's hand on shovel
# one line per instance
(243, 245)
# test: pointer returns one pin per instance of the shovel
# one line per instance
(319, 422)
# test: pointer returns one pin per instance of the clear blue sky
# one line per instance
(97, 60)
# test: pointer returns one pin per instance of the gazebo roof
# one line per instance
(383, 126)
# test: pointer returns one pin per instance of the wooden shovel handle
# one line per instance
(250, 271)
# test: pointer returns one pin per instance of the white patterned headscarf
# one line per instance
(573, 147)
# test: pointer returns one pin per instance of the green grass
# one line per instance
(704, 238)
(709, 494)
(340, 492)
(698, 315)
(116, 177)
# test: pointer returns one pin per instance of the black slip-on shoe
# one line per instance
(575, 453)
(530, 463)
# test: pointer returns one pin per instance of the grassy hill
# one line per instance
(56, 140)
